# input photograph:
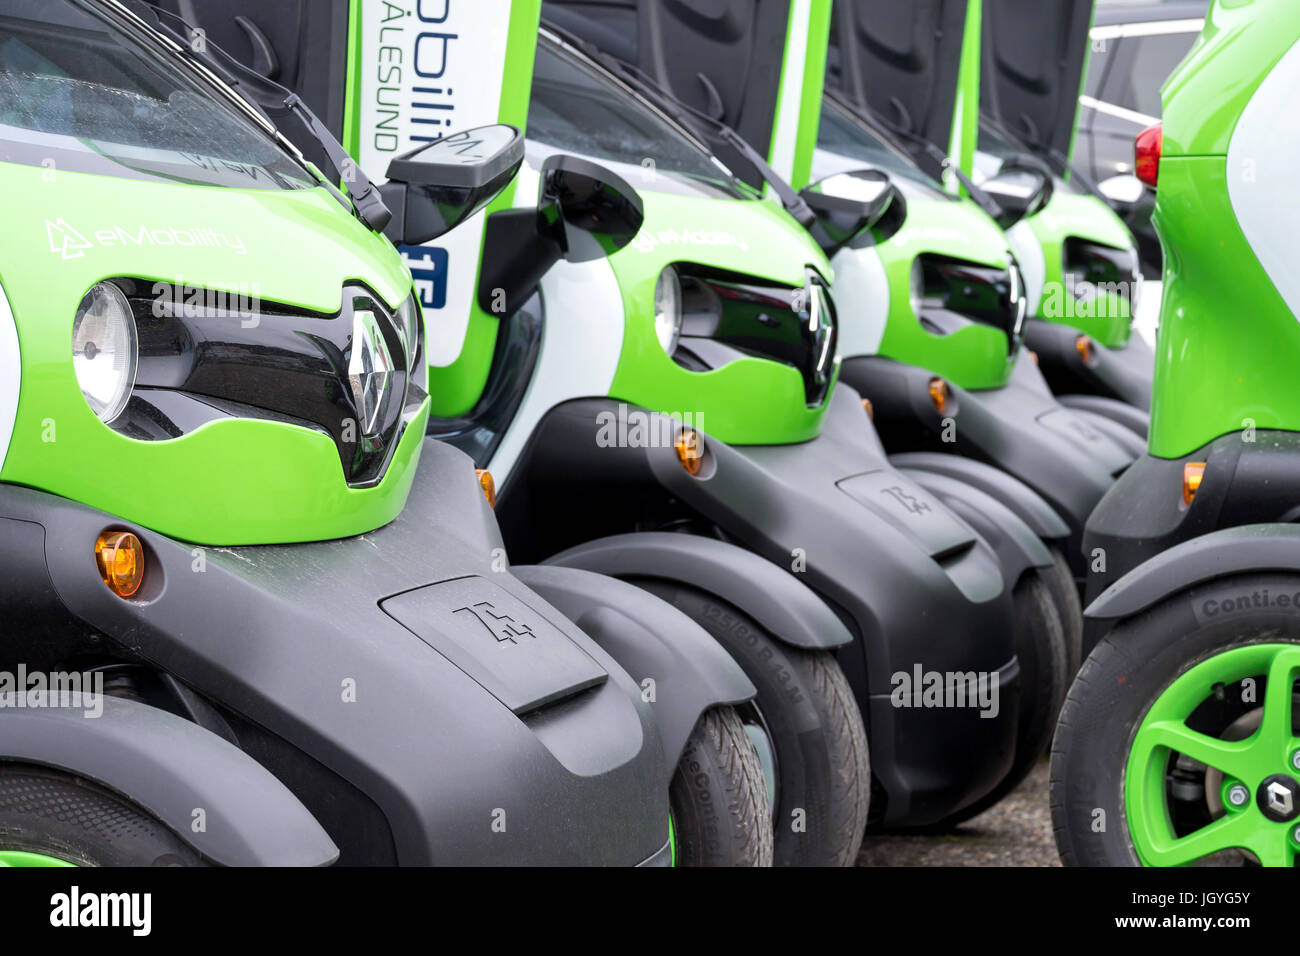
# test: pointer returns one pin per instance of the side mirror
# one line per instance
(583, 212)
(1021, 188)
(588, 210)
(435, 188)
(1127, 196)
(854, 209)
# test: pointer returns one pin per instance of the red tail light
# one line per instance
(1150, 144)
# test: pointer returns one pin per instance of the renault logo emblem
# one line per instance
(1279, 798)
(370, 370)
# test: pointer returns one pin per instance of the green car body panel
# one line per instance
(232, 481)
(750, 401)
(1107, 318)
(1214, 374)
(975, 356)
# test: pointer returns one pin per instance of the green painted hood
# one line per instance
(229, 482)
(748, 401)
(975, 356)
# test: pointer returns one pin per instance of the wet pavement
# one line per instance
(1016, 832)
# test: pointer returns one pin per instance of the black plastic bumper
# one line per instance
(1125, 373)
(418, 702)
(1020, 428)
(1248, 479)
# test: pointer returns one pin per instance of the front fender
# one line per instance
(783, 605)
(650, 639)
(1027, 505)
(171, 767)
(1241, 550)
(1014, 542)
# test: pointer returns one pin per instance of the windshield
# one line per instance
(577, 109)
(80, 90)
(994, 149)
(845, 136)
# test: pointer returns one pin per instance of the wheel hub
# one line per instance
(1279, 798)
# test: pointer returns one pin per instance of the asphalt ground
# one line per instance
(1016, 832)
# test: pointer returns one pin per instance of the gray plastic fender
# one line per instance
(1027, 505)
(1241, 550)
(171, 767)
(652, 641)
(782, 604)
(1017, 547)
(1119, 433)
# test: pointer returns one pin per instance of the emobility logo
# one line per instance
(68, 242)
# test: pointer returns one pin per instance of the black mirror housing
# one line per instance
(436, 187)
(584, 212)
(1022, 187)
(588, 210)
(854, 209)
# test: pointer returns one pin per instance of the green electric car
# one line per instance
(251, 614)
(1180, 741)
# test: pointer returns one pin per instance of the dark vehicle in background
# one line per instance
(1135, 46)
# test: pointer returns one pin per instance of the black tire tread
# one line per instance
(53, 813)
(720, 766)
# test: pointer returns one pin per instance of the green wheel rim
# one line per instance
(1268, 752)
(18, 858)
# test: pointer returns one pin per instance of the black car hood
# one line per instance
(723, 58)
(1031, 70)
(899, 62)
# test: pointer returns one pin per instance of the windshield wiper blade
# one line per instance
(903, 137)
(263, 91)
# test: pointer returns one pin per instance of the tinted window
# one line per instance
(78, 89)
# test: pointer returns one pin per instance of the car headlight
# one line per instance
(105, 350)
(668, 309)
(408, 321)
(918, 287)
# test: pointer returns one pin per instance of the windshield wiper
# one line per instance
(903, 137)
(1054, 157)
(688, 115)
(263, 92)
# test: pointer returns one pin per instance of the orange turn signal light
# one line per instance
(1033, 356)
(940, 395)
(1193, 472)
(120, 558)
(1083, 345)
(488, 484)
(690, 450)
(869, 409)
